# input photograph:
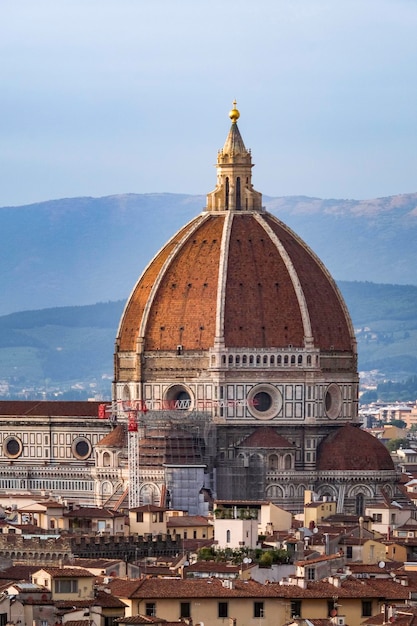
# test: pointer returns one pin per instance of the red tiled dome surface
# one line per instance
(351, 448)
(255, 268)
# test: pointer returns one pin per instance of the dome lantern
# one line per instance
(234, 190)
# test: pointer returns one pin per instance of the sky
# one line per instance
(103, 97)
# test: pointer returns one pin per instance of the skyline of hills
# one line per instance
(86, 250)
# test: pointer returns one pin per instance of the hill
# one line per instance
(68, 351)
(87, 250)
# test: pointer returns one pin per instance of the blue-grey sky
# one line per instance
(103, 97)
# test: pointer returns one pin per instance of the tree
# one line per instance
(398, 423)
(394, 444)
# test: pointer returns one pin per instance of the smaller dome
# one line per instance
(350, 448)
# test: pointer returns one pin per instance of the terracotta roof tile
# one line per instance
(186, 521)
(265, 437)
(140, 619)
(351, 448)
(114, 439)
(40, 408)
(67, 572)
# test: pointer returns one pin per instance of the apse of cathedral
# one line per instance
(235, 378)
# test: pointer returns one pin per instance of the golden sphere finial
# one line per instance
(234, 113)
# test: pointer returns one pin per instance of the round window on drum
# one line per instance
(264, 402)
(179, 397)
(12, 447)
(333, 401)
(81, 448)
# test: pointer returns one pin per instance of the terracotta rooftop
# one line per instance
(186, 521)
(19, 572)
(350, 587)
(218, 568)
(140, 619)
(41, 408)
(114, 439)
(148, 508)
(351, 448)
(265, 437)
(91, 512)
(66, 572)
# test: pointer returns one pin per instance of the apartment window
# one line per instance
(185, 609)
(139, 517)
(349, 552)
(295, 608)
(311, 573)
(258, 609)
(150, 609)
(3, 619)
(66, 586)
(377, 517)
(366, 608)
(223, 609)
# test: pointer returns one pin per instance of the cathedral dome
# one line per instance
(351, 448)
(237, 277)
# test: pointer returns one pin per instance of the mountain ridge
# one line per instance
(48, 246)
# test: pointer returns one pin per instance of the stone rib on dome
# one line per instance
(350, 448)
(174, 302)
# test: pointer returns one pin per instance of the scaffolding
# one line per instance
(158, 439)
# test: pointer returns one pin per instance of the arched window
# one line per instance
(258, 359)
(309, 359)
(273, 462)
(265, 359)
(287, 461)
(300, 359)
(237, 359)
(293, 359)
(286, 359)
(279, 359)
(106, 460)
(272, 359)
(359, 501)
(251, 359)
(228, 536)
(230, 359)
